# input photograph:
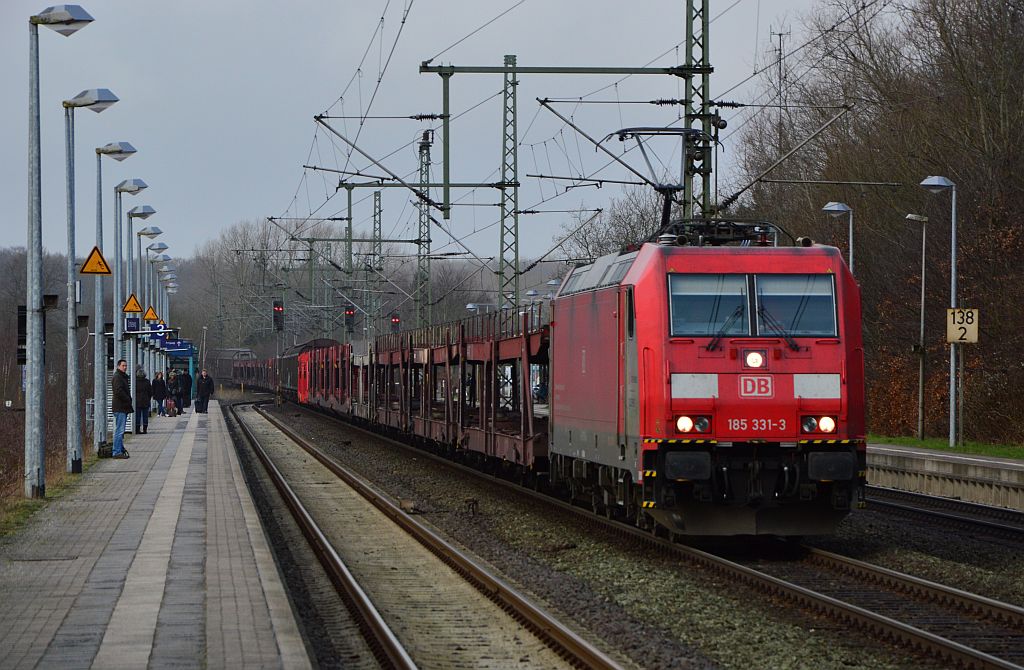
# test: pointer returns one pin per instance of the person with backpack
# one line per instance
(160, 393)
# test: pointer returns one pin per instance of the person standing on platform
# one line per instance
(160, 393)
(204, 389)
(120, 405)
(143, 398)
(173, 393)
(186, 390)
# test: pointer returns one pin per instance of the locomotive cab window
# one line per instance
(796, 305)
(710, 305)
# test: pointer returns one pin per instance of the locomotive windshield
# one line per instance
(719, 305)
(709, 305)
(801, 305)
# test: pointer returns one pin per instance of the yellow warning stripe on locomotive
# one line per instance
(828, 441)
(655, 440)
(647, 504)
(650, 473)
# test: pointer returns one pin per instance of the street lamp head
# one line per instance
(532, 293)
(554, 282)
(116, 150)
(937, 184)
(150, 231)
(96, 99)
(164, 269)
(471, 305)
(170, 290)
(172, 285)
(917, 217)
(157, 248)
(836, 208)
(141, 212)
(131, 186)
(65, 19)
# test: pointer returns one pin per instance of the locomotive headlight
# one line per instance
(684, 424)
(809, 424)
(754, 359)
(693, 424)
(827, 424)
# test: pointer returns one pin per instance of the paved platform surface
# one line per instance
(155, 561)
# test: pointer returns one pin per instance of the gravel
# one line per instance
(645, 607)
(971, 561)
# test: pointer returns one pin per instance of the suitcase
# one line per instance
(169, 406)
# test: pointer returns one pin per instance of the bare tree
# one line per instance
(936, 87)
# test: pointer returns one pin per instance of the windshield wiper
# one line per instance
(774, 325)
(716, 340)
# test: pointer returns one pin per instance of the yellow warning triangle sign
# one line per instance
(150, 315)
(132, 306)
(162, 322)
(95, 264)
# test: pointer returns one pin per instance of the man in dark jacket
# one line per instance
(120, 405)
(204, 389)
(159, 393)
(186, 388)
(143, 397)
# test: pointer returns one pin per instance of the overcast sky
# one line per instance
(219, 97)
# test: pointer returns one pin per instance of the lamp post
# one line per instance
(66, 20)
(172, 288)
(153, 293)
(141, 278)
(837, 209)
(144, 288)
(137, 212)
(920, 338)
(162, 269)
(96, 99)
(167, 277)
(131, 187)
(118, 151)
(203, 363)
(937, 184)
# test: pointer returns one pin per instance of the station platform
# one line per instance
(158, 561)
(986, 480)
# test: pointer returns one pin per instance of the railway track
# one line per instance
(996, 521)
(419, 600)
(957, 628)
(960, 628)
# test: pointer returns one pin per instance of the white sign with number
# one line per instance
(962, 325)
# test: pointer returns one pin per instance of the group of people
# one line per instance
(172, 396)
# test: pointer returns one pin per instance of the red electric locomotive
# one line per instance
(712, 390)
(717, 390)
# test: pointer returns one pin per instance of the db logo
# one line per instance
(756, 387)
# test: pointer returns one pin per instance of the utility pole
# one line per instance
(422, 291)
(376, 267)
(508, 267)
(781, 80)
(697, 155)
(508, 260)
